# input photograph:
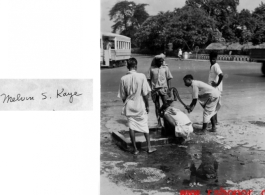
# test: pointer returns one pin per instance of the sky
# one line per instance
(155, 6)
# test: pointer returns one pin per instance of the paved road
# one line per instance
(238, 75)
(243, 86)
(242, 128)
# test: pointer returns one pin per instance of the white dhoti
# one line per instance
(133, 88)
(139, 123)
(183, 130)
(211, 106)
(182, 123)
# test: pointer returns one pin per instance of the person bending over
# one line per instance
(208, 97)
(176, 122)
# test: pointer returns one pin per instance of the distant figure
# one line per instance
(215, 76)
(159, 77)
(108, 47)
(134, 91)
(208, 97)
(180, 56)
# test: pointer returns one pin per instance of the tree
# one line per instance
(246, 19)
(259, 32)
(192, 27)
(223, 12)
(246, 25)
(153, 34)
(185, 27)
(127, 17)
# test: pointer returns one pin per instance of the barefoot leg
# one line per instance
(132, 136)
(150, 149)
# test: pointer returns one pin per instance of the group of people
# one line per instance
(135, 88)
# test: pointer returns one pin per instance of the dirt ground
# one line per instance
(238, 146)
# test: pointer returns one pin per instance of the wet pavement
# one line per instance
(169, 169)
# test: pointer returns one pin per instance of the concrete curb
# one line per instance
(224, 57)
(122, 141)
(227, 58)
(126, 144)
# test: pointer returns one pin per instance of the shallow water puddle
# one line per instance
(172, 167)
(258, 123)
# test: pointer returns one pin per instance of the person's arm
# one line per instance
(214, 84)
(145, 93)
(148, 77)
(169, 77)
(219, 72)
(192, 105)
(149, 82)
(195, 93)
(121, 93)
(169, 83)
(146, 103)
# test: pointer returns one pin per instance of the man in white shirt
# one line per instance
(208, 97)
(133, 91)
(215, 76)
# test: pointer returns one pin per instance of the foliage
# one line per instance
(259, 32)
(198, 23)
(128, 17)
(185, 27)
(154, 32)
(246, 25)
(192, 27)
(223, 12)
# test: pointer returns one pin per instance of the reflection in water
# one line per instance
(206, 171)
(196, 163)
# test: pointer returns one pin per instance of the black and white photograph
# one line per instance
(182, 108)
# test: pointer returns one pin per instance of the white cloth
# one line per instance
(183, 131)
(133, 87)
(183, 125)
(180, 52)
(178, 116)
(209, 98)
(214, 72)
(211, 106)
(160, 56)
(139, 123)
(200, 88)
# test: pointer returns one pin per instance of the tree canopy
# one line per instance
(185, 27)
(198, 23)
(259, 32)
(128, 17)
